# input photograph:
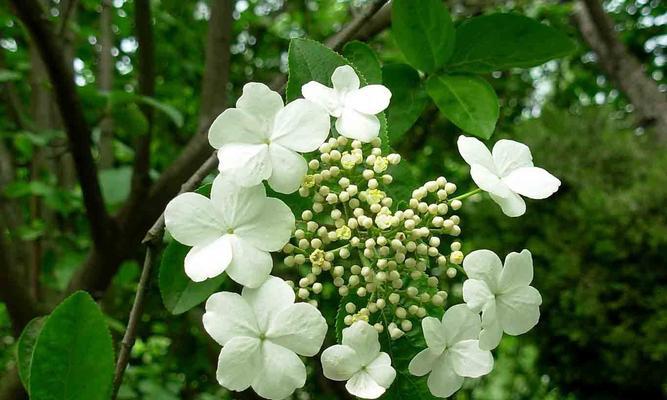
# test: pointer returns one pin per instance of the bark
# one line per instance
(624, 69)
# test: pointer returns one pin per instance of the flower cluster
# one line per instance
(389, 259)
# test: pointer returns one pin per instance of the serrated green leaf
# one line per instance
(309, 60)
(180, 293)
(365, 60)
(73, 358)
(312, 61)
(466, 100)
(26, 347)
(503, 41)
(408, 99)
(424, 32)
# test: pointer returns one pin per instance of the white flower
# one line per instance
(358, 361)
(453, 351)
(263, 333)
(503, 295)
(508, 173)
(353, 107)
(233, 231)
(261, 139)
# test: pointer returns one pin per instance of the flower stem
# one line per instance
(466, 195)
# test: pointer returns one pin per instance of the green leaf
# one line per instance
(466, 100)
(408, 99)
(503, 41)
(116, 184)
(8, 76)
(73, 358)
(171, 112)
(308, 61)
(365, 60)
(180, 293)
(424, 32)
(26, 347)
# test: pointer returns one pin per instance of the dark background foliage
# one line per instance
(599, 244)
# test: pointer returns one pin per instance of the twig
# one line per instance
(350, 30)
(152, 241)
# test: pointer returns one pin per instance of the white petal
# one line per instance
(492, 331)
(488, 181)
(355, 125)
(208, 260)
(289, 168)
(301, 126)
(345, 79)
(512, 206)
(422, 363)
(260, 101)
(518, 271)
(532, 182)
(227, 316)
(192, 219)
(476, 294)
(444, 381)
(519, 310)
(247, 164)
(236, 126)
(239, 363)
(268, 300)
(371, 99)
(325, 96)
(483, 265)
(460, 324)
(474, 152)
(364, 386)
(469, 360)
(268, 224)
(363, 338)
(509, 155)
(339, 362)
(381, 370)
(282, 372)
(300, 328)
(238, 205)
(250, 266)
(434, 333)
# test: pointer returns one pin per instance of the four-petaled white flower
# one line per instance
(453, 351)
(502, 294)
(233, 231)
(263, 332)
(261, 138)
(354, 107)
(358, 361)
(507, 173)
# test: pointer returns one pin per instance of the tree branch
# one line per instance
(105, 83)
(69, 104)
(144, 29)
(351, 30)
(597, 29)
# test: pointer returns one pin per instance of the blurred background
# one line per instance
(596, 119)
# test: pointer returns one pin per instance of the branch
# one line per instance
(144, 29)
(69, 104)
(105, 83)
(597, 28)
(351, 30)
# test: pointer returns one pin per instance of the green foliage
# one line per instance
(116, 183)
(365, 60)
(466, 100)
(26, 347)
(502, 41)
(180, 293)
(310, 61)
(73, 357)
(408, 99)
(424, 32)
